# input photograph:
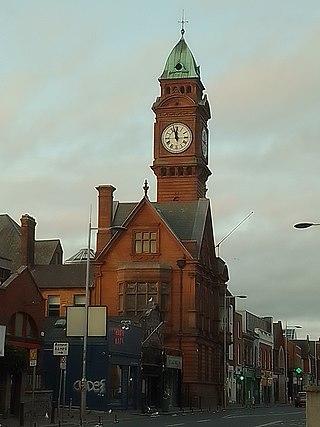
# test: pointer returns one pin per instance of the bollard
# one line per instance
(70, 408)
(53, 412)
(115, 418)
(21, 414)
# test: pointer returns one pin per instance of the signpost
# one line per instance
(60, 349)
(33, 353)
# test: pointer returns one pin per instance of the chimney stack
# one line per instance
(27, 240)
(105, 215)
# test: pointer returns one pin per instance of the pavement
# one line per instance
(95, 418)
(92, 418)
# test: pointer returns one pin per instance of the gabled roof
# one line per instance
(23, 270)
(186, 220)
(45, 250)
(9, 240)
(10, 234)
(59, 276)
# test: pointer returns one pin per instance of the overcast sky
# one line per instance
(77, 81)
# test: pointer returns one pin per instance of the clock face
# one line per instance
(176, 137)
(204, 142)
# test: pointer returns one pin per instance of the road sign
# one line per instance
(60, 348)
(33, 357)
(63, 362)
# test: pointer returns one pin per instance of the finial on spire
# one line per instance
(146, 188)
(182, 22)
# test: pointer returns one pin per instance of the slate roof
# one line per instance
(45, 250)
(59, 276)
(10, 244)
(186, 220)
(9, 240)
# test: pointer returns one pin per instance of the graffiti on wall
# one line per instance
(97, 387)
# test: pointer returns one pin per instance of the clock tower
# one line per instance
(180, 129)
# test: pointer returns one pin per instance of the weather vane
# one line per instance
(182, 22)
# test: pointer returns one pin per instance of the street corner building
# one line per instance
(162, 254)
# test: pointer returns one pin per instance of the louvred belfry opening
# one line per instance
(180, 129)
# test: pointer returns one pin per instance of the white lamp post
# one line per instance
(225, 352)
(83, 397)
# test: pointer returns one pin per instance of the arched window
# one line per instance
(22, 325)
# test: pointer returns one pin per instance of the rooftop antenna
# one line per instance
(182, 22)
(231, 231)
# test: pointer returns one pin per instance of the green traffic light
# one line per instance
(298, 370)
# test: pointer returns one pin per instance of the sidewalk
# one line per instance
(92, 419)
(99, 418)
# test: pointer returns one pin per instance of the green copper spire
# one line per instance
(180, 63)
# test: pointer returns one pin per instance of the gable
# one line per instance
(188, 222)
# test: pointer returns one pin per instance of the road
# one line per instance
(284, 416)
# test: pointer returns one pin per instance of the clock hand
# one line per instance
(176, 133)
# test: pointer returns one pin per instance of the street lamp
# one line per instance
(286, 357)
(83, 396)
(306, 224)
(225, 358)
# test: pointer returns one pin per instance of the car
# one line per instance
(300, 399)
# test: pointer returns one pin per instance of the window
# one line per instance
(53, 305)
(22, 325)
(138, 295)
(79, 300)
(145, 242)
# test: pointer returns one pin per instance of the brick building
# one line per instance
(165, 252)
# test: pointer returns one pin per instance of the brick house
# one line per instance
(30, 272)
(22, 313)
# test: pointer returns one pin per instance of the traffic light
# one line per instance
(298, 371)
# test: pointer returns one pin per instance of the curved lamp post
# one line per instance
(305, 224)
(225, 356)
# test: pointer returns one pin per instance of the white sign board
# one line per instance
(97, 321)
(2, 339)
(60, 348)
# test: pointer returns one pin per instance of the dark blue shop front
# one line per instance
(113, 368)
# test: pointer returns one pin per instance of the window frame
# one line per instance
(149, 245)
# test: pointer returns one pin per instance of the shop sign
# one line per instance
(173, 362)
